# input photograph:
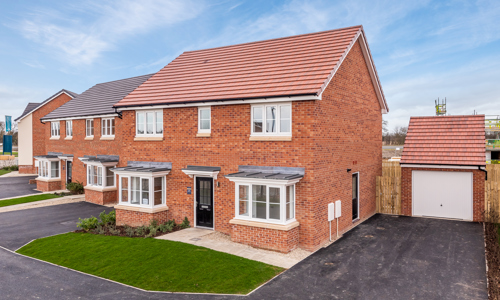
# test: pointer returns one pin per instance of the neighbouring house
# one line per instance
(252, 140)
(492, 127)
(31, 138)
(443, 167)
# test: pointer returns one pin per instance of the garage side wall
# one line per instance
(477, 198)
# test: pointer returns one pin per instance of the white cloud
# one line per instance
(103, 25)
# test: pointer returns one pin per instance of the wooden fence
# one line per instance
(492, 194)
(389, 189)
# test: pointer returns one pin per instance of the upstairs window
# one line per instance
(55, 129)
(108, 127)
(272, 119)
(89, 128)
(204, 120)
(69, 128)
(149, 123)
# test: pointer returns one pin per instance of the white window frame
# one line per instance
(155, 118)
(141, 176)
(55, 129)
(108, 123)
(264, 123)
(269, 184)
(200, 109)
(45, 168)
(102, 179)
(89, 131)
(69, 128)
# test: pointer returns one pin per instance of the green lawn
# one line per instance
(153, 264)
(2, 171)
(10, 153)
(27, 199)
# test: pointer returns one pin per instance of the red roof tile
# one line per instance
(291, 66)
(445, 140)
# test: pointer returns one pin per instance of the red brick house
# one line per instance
(443, 168)
(252, 140)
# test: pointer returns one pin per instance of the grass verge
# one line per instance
(153, 264)
(27, 199)
(3, 172)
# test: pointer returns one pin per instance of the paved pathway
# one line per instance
(219, 242)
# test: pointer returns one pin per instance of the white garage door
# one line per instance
(442, 194)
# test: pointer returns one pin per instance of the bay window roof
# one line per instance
(100, 159)
(144, 167)
(50, 155)
(267, 173)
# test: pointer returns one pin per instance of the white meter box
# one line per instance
(331, 211)
(338, 209)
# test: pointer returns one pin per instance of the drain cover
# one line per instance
(195, 239)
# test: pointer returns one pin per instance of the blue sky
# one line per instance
(422, 49)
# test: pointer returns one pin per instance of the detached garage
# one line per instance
(443, 168)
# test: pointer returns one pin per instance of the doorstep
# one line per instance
(220, 242)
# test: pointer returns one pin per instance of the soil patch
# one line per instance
(491, 238)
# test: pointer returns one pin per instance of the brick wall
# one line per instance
(48, 186)
(101, 198)
(478, 178)
(265, 238)
(135, 218)
(341, 131)
(27, 169)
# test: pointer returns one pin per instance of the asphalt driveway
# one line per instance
(16, 186)
(20, 227)
(384, 258)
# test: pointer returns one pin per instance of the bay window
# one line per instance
(149, 123)
(265, 202)
(271, 119)
(141, 190)
(55, 129)
(108, 127)
(100, 176)
(49, 168)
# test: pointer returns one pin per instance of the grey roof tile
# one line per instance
(98, 100)
(32, 107)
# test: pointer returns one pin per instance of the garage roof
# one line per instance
(299, 65)
(445, 140)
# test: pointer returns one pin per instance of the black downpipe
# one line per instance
(485, 173)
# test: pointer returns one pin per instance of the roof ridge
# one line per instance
(276, 39)
(123, 79)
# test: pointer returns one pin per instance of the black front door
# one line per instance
(204, 202)
(69, 171)
(355, 196)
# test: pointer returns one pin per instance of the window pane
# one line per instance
(243, 191)
(54, 169)
(110, 177)
(158, 190)
(124, 189)
(271, 119)
(159, 122)
(257, 119)
(149, 123)
(274, 195)
(140, 123)
(99, 176)
(145, 191)
(285, 118)
(205, 124)
(274, 211)
(290, 202)
(91, 127)
(259, 201)
(136, 190)
(274, 203)
(205, 114)
(112, 121)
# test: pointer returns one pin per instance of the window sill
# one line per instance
(282, 227)
(100, 188)
(141, 209)
(68, 138)
(271, 138)
(47, 179)
(148, 138)
(203, 134)
(55, 138)
(107, 138)
(89, 138)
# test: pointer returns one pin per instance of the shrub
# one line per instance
(185, 223)
(130, 231)
(107, 219)
(88, 223)
(153, 223)
(6, 168)
(140, 231)
(172, 223)
(14, 168)
(113, 230)
(166, 227)
(75, 187)
(152, 232)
